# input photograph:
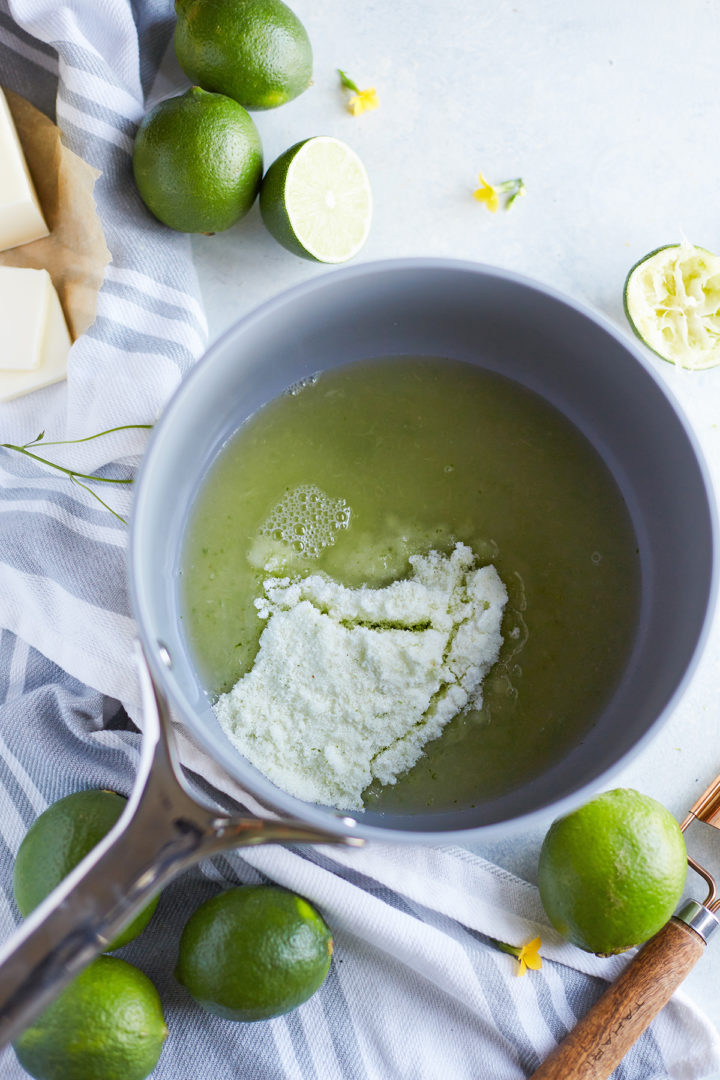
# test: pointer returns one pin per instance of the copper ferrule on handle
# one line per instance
(699, 918)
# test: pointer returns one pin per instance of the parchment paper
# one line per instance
(75, 252)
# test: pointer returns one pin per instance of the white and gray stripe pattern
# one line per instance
(414, 990)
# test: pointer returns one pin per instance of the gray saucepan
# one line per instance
(577, 361)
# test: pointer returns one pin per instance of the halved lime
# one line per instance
(316, 200)
(672, 301)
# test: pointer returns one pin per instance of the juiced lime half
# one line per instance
(316, 200)
(672, 301)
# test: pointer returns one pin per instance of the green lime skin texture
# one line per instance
(255, 51)
(254, 952)
(61, 838)
(612, 872)
(197, 161)
(106, 1025)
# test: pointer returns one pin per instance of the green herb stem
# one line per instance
(512, 950)
(347, 82)
(87, 438)
(75, 476)
(70, 472)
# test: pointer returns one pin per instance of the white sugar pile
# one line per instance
(350, 684)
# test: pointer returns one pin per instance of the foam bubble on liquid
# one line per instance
(301, 384)
(307, 519)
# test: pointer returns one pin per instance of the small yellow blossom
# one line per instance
(487, 193)
(527, 956)
(361, 100)
(490, 194)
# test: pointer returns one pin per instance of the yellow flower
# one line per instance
(486, 193)
(490, 194)
(361, 100)
(529, 956)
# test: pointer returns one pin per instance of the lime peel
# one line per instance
(59, 839)
(108, 1022)
(672, 302)
(197, 161)
(255, 51)
(254, 952)
(611, 872)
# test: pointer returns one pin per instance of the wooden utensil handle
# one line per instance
(599, 1042)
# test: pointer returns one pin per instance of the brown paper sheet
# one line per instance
(75, 253)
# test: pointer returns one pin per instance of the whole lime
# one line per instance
(61, 838)
(106, 1025)
(197, 161)
(612, 871)
(255, 51)
(254, 952)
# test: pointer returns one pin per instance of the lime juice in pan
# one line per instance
(444, 574)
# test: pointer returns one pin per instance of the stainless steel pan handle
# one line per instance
(162, 831)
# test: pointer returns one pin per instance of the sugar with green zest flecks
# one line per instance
(350, 684)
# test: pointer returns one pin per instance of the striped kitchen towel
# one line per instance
(414, 989)
(90, 68)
